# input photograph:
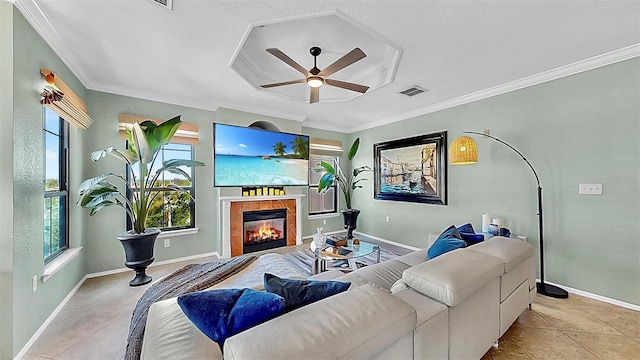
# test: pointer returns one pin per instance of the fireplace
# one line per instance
(264, 229)
(232, 208)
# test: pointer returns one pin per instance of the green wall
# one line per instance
(6, 180)
(104, 252)
(333, 223)
(579, 129)
(30, 310)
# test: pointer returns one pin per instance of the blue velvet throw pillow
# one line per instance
(298, 293)
(450, 239)
(220, 314)
(504, 232)
(471, 238)
(466, 228)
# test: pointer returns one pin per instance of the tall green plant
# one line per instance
(145, 140)
(346, 182)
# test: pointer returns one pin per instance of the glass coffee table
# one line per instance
(348, 253)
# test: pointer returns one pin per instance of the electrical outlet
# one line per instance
(386, 219)
(167, 243)
(34, 283)
(324, 222)
(590, 189)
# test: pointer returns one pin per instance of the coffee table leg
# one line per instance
(315, 266)
(352, 264)
(378, 257)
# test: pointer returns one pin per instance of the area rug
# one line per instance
(303, 259)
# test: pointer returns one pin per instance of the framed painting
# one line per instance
(412, 169)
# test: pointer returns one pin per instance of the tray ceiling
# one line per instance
(459, 50)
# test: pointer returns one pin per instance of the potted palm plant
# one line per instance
(145, 140)
(347, 183)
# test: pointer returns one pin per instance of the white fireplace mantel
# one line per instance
(226, 216)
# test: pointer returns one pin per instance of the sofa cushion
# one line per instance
(355, 324)
(170, 335)
(298, 293)
(383, 274)
(511, 251)
(226, 312)
(426, 308)
(454, 276)
(449, 240)
(412, 258)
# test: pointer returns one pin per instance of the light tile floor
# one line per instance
(574, 328)
(94, 325)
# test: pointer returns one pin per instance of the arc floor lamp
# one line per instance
(463, 151)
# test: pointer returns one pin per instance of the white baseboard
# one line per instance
(326, 233)
(46, 323)
(388, 241)
(55, 312)
(596, 296)
(158, 263)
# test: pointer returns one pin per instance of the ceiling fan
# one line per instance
(315, 77)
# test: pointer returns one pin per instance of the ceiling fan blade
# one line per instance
(351, 57)
(282, 56)
(315, 95)
(347, 85)
(265, 86)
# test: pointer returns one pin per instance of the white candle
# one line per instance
(486, 221)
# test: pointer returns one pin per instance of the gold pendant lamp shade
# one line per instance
(463, 151)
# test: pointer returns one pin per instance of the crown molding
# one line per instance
(261, 111)
(153, 96)
(591, 63)
(148, 95)
(321, 125)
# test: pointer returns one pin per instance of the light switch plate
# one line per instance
(590, 189)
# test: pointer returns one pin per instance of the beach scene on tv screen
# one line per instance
(246, 157)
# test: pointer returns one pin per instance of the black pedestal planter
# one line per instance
(350, 217)
(138, 250)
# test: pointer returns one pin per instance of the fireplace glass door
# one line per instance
(264, 229)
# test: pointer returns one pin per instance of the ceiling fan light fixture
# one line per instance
(315, 81)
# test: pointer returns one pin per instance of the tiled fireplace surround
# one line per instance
(234, 206)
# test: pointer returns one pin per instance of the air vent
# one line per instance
(412, 91)
(164, 3)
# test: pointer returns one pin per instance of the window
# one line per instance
(170, 209)
(321, 203)
(55, 134)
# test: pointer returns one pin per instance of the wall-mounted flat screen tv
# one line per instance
(254, 157)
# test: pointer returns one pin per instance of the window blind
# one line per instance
(188, 133)
(59, 97)
(325, 147)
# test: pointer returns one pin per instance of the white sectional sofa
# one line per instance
(455, 306)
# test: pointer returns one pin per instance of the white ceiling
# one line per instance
(459, 50)
(336, 34)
